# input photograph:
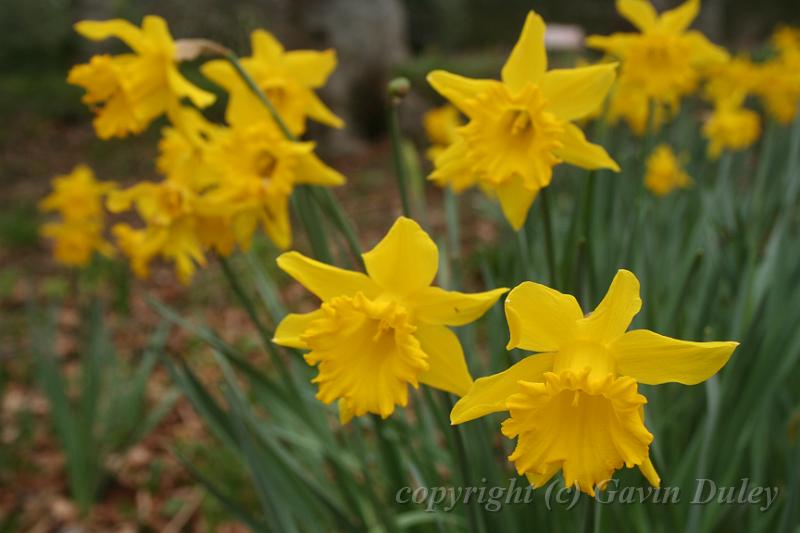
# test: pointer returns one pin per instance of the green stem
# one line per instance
(334, 210)
(401, 172)
(524, 252)
(547, 221)
(251, 83)
(453, 237)
(588, 216)
(308, 213)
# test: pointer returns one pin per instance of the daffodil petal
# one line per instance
(616, 44)
(155, 29)
(447, 367)
(679, 19)
(704, 52)
(515, 200)
(434, 305)
(540, 319)
(461, 91)
(405, 260)
(649, 471)
(640, 13)
(311, 170)
(653, 359)
(311, 68)
(528, 60)
(293, 326)
(325, 281)
(489, 394)
(264, 45)
(577, 151)
(574, 93)
(321, 113)
(98, 30)
(182, 87)
(614, 314)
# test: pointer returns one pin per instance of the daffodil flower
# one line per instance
(665, 60)
(663, 172)
(78, 198)
(77, 195)
(129, 91)
(259, 168)
(731, 126)
(377, 333)
(287, 78)
(520, 127)
(575, 406)
(170, 211)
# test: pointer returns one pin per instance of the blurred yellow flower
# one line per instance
(258, 169)
(170, 211)
(183, 149)
(663, 172)
(287, 78)
(520, 127)
(77, 198)
(778, 80)
(74, 243)
(129, 91)
(739, 76)
(376, 333)
(731, 126)
(665, 60)
(629, 103)
(575, 406)
(441, 125)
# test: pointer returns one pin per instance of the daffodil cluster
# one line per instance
(222, 182)
(660, 64)
(77, 198)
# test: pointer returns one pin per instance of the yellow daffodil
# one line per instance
(287, 78)
(520, 127)
(737, 77)
(778, 80)
(77, 197)
(170, 211)
(75, 243)
(575, 406)
(665, 60)
(731, 127)
(629, 103)
(441, 125)
(184, 147)
(129, 91)
(376, 333)
(663, 172)
(259, 169)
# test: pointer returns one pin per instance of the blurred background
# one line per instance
(45, 130)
